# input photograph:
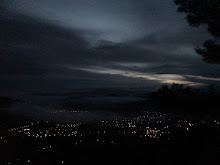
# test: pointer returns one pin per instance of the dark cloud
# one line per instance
(49, 45)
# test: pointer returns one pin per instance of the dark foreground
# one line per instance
(154, 138)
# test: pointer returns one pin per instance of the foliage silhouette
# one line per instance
(204, 12)
(177, 98)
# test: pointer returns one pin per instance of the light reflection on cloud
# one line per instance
(162, 78)
(204, 78)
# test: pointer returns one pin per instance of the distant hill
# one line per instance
(6, 119)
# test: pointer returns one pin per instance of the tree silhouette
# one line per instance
(178, 98)
(204, 12)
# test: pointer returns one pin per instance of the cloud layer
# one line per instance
(49, 45)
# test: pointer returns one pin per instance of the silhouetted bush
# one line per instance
(178, 98)
(204, 12)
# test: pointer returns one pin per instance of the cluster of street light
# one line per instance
(151, 125)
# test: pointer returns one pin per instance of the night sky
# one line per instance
(53, 45)
(109, 82)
